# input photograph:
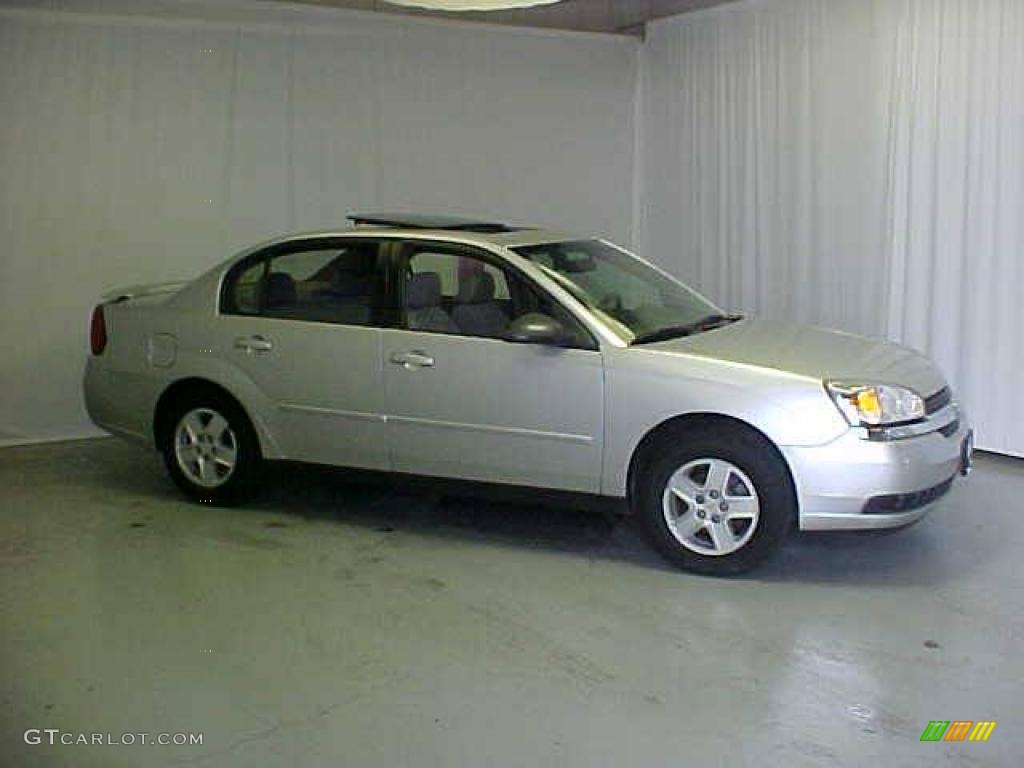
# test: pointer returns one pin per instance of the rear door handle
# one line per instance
(414, 359)
(253, 344)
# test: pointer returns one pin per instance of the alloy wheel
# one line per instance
(205, 447)
(711, 506)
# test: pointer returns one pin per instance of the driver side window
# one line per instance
(454, 292)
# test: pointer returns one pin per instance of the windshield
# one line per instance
(638, 301)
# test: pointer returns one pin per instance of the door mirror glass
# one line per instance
(536, 328)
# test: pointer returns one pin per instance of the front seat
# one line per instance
(476, 312)
(423, 304)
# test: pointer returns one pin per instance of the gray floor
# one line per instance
(339, 624)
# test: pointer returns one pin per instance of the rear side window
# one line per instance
(246, 291)
(325, 283)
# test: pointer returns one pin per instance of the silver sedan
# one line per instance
(477, 351)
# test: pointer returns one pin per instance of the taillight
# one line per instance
(98, 331)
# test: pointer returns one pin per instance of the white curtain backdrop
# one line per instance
(145, 141)
(853, 163)
(856, 163)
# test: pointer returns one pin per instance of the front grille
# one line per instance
(950, 429)
(905, 502)
(938, 401)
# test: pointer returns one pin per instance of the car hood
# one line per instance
(807, 350)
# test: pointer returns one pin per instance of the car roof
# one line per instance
(451, 230)
(419, 224)
(429, 221)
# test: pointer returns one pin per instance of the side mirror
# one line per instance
(536, 328)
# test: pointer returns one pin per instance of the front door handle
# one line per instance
(253, 344)
(414, 359)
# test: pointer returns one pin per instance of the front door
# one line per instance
(462, 402)
(302, 321)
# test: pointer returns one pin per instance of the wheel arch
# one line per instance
(687, 421)
(185, 387)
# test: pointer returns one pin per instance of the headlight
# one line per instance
(876, 405)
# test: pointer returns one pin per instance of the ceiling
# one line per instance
(619, 16)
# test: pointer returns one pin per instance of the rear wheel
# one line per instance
(715, 498)
(210, 448)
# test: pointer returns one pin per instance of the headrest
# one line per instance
(424, 290)
(476, 288)
(280, 290)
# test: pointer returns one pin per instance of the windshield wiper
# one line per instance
(677, 331)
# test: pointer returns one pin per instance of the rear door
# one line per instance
(462, 402)
(303, 321)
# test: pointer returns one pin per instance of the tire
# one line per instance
(210, 448)
(715, 498)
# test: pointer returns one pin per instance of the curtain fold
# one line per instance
(853, 163)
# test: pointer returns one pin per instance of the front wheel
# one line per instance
(715, 499)
(210, 449)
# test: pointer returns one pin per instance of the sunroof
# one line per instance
(425, 221)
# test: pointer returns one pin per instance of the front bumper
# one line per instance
(858, 484)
